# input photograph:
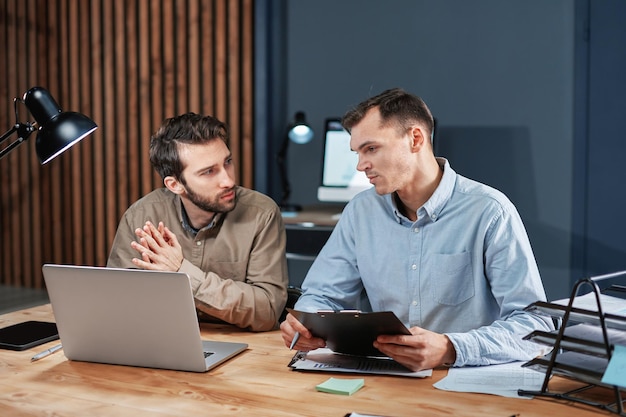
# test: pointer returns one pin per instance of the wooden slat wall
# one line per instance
(127, 64)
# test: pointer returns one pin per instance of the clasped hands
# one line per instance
(158, 247)
(421, 350)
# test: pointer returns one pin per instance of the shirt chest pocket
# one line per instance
(453, 282)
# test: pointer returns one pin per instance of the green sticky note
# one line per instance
(340, 386)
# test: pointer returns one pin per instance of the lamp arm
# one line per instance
(9, 132)
(281, 158)
(23, 131)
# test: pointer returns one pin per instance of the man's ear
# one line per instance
(173, 185)
(417, 138)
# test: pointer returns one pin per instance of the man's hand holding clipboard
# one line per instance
(350, 331)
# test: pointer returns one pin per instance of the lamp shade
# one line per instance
(300, 132)
(58, 130)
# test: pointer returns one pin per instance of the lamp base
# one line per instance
(286, 207)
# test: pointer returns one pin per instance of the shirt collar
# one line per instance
(443, 192)
(437, 201)
(184, 218)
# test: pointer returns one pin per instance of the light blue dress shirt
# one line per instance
(464, 268)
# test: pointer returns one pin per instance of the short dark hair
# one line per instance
(189, 128)
(395, 106)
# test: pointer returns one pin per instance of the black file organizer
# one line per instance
(600, 351)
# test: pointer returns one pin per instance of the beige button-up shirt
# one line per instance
(237, 265)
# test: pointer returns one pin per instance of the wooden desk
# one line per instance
(255, 383)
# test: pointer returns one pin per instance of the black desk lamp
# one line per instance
(57, 131)
(298, 132)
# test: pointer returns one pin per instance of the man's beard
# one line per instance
(211, 206)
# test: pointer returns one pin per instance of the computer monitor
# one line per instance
(340, 179)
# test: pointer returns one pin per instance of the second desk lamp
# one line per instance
(298, 132)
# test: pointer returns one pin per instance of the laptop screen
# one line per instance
(340, 178)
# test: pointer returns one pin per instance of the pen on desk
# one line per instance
(46, 352)
(295, 340)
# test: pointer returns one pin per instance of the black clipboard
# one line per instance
(22, 336)
(351, 332)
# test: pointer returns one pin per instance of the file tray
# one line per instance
(581, 338)
(578, 315)
(583, 345)
(574, 366)
(349, 331)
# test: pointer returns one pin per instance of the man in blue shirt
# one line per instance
(448, 255)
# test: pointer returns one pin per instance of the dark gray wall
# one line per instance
(601, 212)
(498, 75)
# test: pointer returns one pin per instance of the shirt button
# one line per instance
(413, 267)
(416, 230)
(434, 217)
(198, 243)
(414, 303)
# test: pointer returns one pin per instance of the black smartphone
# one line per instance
(22, 336)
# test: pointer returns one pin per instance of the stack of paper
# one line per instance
(504, 379)
(610, 304)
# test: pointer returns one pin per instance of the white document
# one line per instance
(594, 334)
(610, 304)
(503, 379)
(324, 359)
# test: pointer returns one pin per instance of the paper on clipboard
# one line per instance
(326, 360)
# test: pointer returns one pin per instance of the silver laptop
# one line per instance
(131, 317)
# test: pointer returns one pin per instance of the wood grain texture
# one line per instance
(127, 64)
(255, 383)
